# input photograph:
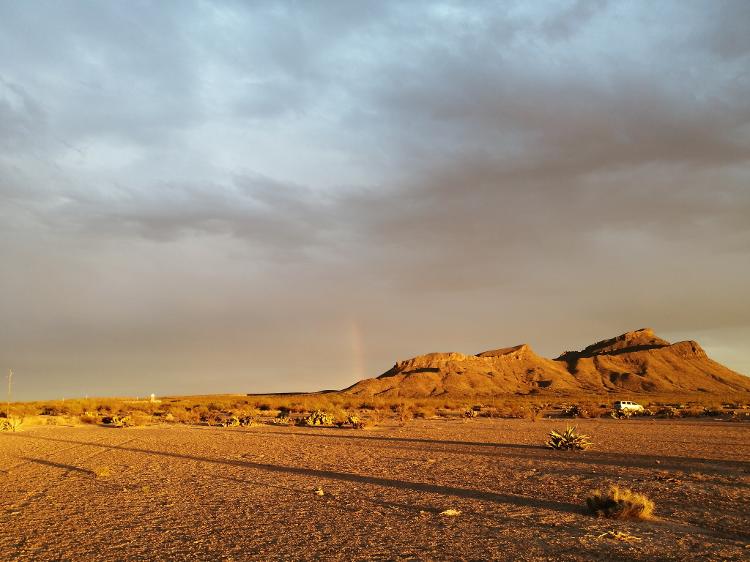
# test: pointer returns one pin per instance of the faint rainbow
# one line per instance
(357, 348)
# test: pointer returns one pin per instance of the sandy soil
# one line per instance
(177, 492)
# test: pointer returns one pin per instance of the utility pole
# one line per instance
(10, 386)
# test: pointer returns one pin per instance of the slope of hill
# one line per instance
(637, 361)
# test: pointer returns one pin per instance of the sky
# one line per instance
(227, 196)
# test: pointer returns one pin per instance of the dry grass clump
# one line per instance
(620, 503)
(569, 439)
(102, 472)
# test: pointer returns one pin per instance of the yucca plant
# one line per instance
(620, 503)
(569, 439)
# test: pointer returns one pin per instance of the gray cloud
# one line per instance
(234, 193)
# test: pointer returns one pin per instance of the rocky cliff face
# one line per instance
(637, 361)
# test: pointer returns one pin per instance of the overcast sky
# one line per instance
(280, 196)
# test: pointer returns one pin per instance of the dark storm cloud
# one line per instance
(265, 175)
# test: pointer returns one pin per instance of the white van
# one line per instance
(627, 406)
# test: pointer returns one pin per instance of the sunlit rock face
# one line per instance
(637, 361)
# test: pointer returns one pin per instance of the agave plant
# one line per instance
(569, 439)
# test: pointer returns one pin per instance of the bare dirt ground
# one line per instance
(179, 492)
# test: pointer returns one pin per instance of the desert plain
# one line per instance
(178, 492)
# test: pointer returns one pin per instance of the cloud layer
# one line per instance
(207, 197)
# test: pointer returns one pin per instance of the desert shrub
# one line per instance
(182, 415)
(621, 414)
(117, 421)
(231, 421)
(423, 412)
(318, 417)
(210, 418)
(286, 420)
(11, 423)
(355, 421)
(534, 413)
(297, 407)
(375, 417)
(49, 410)
(89, 418)
(668, 412)
(235, 421)
(404, 412)
(569, 439)
(576, 411)
(137, 418)
(620, 503)
(691, 412)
